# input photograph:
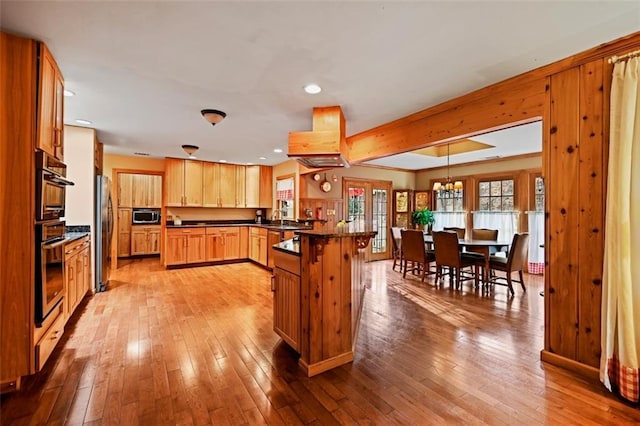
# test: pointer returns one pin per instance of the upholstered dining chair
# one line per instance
(414, 251)
(396, 247)
(448, 254)
(484, 234)
(514, 262)
(460, 231)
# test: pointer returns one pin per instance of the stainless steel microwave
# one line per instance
(145, 216)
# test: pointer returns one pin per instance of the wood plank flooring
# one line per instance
(196, 346)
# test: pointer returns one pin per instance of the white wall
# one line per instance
(78, 156)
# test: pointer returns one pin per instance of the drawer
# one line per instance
(49, 341)
(186, 231)
(288, 262)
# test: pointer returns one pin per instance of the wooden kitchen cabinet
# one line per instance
(50, 105)
(125, 188)
(124, 232)
(146, 191)
(145, 239)
(286, 298)
(259, 186)
(258, 245)
(183, 183)
(243, 236)
(185, 245)
(77, 274)
(241, 200)
(223, 243)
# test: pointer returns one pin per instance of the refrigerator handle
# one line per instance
(110, 219)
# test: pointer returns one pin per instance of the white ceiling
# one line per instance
(142, 71)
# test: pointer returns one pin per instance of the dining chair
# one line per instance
(484, 234)
(448, 254)
(460, 231)
(396, 247)
(514, 262)
(414, 251)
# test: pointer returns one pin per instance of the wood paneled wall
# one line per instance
(575, 150)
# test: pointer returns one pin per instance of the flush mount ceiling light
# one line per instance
(68, 93)
(190, 150)
(312, 89)
(213, 116)
(85, 122)
(277, 150)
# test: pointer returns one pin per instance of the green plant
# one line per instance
(422, 217)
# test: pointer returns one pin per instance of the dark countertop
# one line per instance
(270, 226)
(343, 232)
(72, 236)
(288, 246)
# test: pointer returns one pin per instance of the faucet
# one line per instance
(280, 213)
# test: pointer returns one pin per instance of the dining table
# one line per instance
(478, 246)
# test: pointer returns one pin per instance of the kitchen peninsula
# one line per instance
(318, 285)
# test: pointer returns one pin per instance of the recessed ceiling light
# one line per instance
(278, 150)
(223, 161)
(312, 89)
(262, 158)
(68, 93)
(81, 121)
(249, 164)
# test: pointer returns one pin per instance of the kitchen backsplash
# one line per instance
(199, 213)
(78, 228)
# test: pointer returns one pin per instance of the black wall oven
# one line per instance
(50, 187)
(50, 241)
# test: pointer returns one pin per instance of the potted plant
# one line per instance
(423, 217)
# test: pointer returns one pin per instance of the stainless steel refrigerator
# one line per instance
(104, 232)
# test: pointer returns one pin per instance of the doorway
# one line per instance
(367, 206)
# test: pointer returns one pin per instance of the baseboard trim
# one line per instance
(586, 371)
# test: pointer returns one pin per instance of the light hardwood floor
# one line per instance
(196, 346)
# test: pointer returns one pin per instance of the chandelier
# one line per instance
(449, 188)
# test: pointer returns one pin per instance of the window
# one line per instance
(285, 189)
(449, 201)
(496, 195)
(538, 194)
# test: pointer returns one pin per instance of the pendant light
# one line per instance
(449, 188)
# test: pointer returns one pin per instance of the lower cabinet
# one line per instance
(222, 243)
(145, 239)
(77, 275)
(124, 232)
(258, 245)
(286, 298)
(185, 245)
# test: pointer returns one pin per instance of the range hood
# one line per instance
(325, 146)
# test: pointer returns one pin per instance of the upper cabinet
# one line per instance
(50, 104)
(184, 180)
(222, 185)
(139, 190)
(259, 186)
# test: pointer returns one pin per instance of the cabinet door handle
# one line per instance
(273, 283)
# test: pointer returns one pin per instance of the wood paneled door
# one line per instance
(368, 207)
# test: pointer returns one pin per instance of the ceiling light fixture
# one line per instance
(312, 89)
(82, 121)
(213, 116)
(68, 93)
(262, 158)
(448, 189)
(190, 150)
(277, 150)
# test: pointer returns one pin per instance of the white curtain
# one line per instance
(536, 239)
(505, 222)
(455, 219)
(620, 359)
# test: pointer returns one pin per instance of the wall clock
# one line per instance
(325, 186)
(316, 177)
